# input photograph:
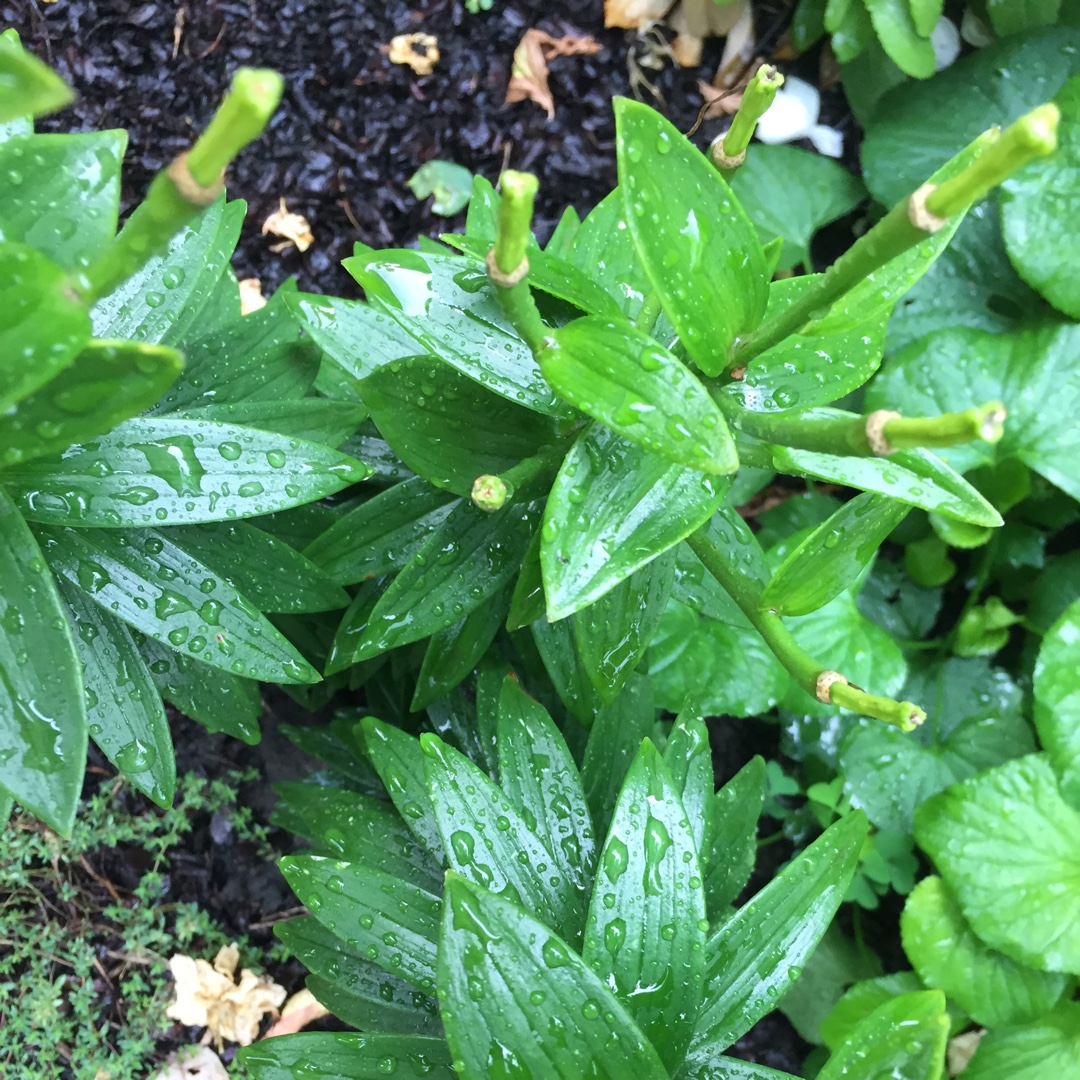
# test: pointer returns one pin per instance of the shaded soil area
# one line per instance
(354, 127)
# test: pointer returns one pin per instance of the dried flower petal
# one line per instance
(193, 1063)
(251, 297)
(293, 227)
(634, 14)
(529, 73)
(299, 1011)
(418, 51)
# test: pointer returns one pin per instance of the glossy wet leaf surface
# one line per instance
(629, 382)
(557, 645)
(318, 420)
(992, 989)
(734, 811)
(645, 934)
(148, 582)
(698, 247)
(123, 707)
(1049, 1046)
(348, 1056)
(1008, 846)
(509, 979)
(612, 508)
(42, 703)
(162, 471)
(1057, 701)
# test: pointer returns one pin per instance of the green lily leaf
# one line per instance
(562, 237)
(465, 802)
(698, 247)
(109, 381)
(42, 704)
(807, 370)
(720, 1067)
(354, 988)
(645, 934)
(165, 300)
(626, 380)
(920, 125)
(750, 958)
(734, 811)
(1057, 701)
(151, 584)
(975, 720)
(903, 1039)
(219, 700)
(388, 920)
(1031, 371)
(164, 471)
(318, 420)
(492, 944)
(28, 87)
(123, 706)
(917, 477)
(346, 1056)
(1049, 1046)
(68, 221)
(42, 329)
(462, 564)
(449, 429)
(357, 828)
(558, 647)
(444, 302)
(614, 633)
(689, 760)
(791, 193)
(994, 990)
(613, 508)
(833, 556)
(1001, 840)
(541, 780)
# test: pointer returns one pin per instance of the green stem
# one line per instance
(528, 478)
(187, 186)
(759, 94)
(1034, 135)
(650, 310)
(799, 664)
(950, 429)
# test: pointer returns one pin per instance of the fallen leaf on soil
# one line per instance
(529, 73)
(293, 227)
(209, 996)
(419, 51)
(251, 297)
(299, 1011)
(696, 20)
(962, 1049)
(719, 102)
(634, 14)
(193, 1063)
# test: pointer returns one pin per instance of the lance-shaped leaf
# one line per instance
(698, 247)
(108, 382)
(42, 329)
(392, 922)
(466, 561)
(541, 780)
(992, 989)
(903, 1039)
(164, 471)
(917, 477)
(354, 988)
(146, 580)
(487, 841)
(510, 981)
(750, 959)
(29, 86)
(632, 384)
(1057, 701)
(557, 644)
(449, 429)
(689, 760)
(613, 508)
(832, 557)
(645, 935)
(346, 1056)
(733, 812)
(42, 705)
(123, 706)
(318, 420)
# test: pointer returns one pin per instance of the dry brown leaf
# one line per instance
(293, 227)
(529, 72)
(251, 297)
(719, 102)
(208, 996)
(193, 1063)
(962, 1049)
(634, 14)
(418, 51)
(299, 1011)
(696, 20)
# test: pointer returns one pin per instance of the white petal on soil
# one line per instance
(792, 115)
(826, 140)
(193, 1063)
(945, 39)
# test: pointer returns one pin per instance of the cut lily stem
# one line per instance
(507, 262)
(991, 158)
(526, 480)
(729, 152)
(800, 665)
(876, 434)
(191, 183)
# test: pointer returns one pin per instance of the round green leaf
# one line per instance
(1057, 700)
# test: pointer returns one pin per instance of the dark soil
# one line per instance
(351, 130)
